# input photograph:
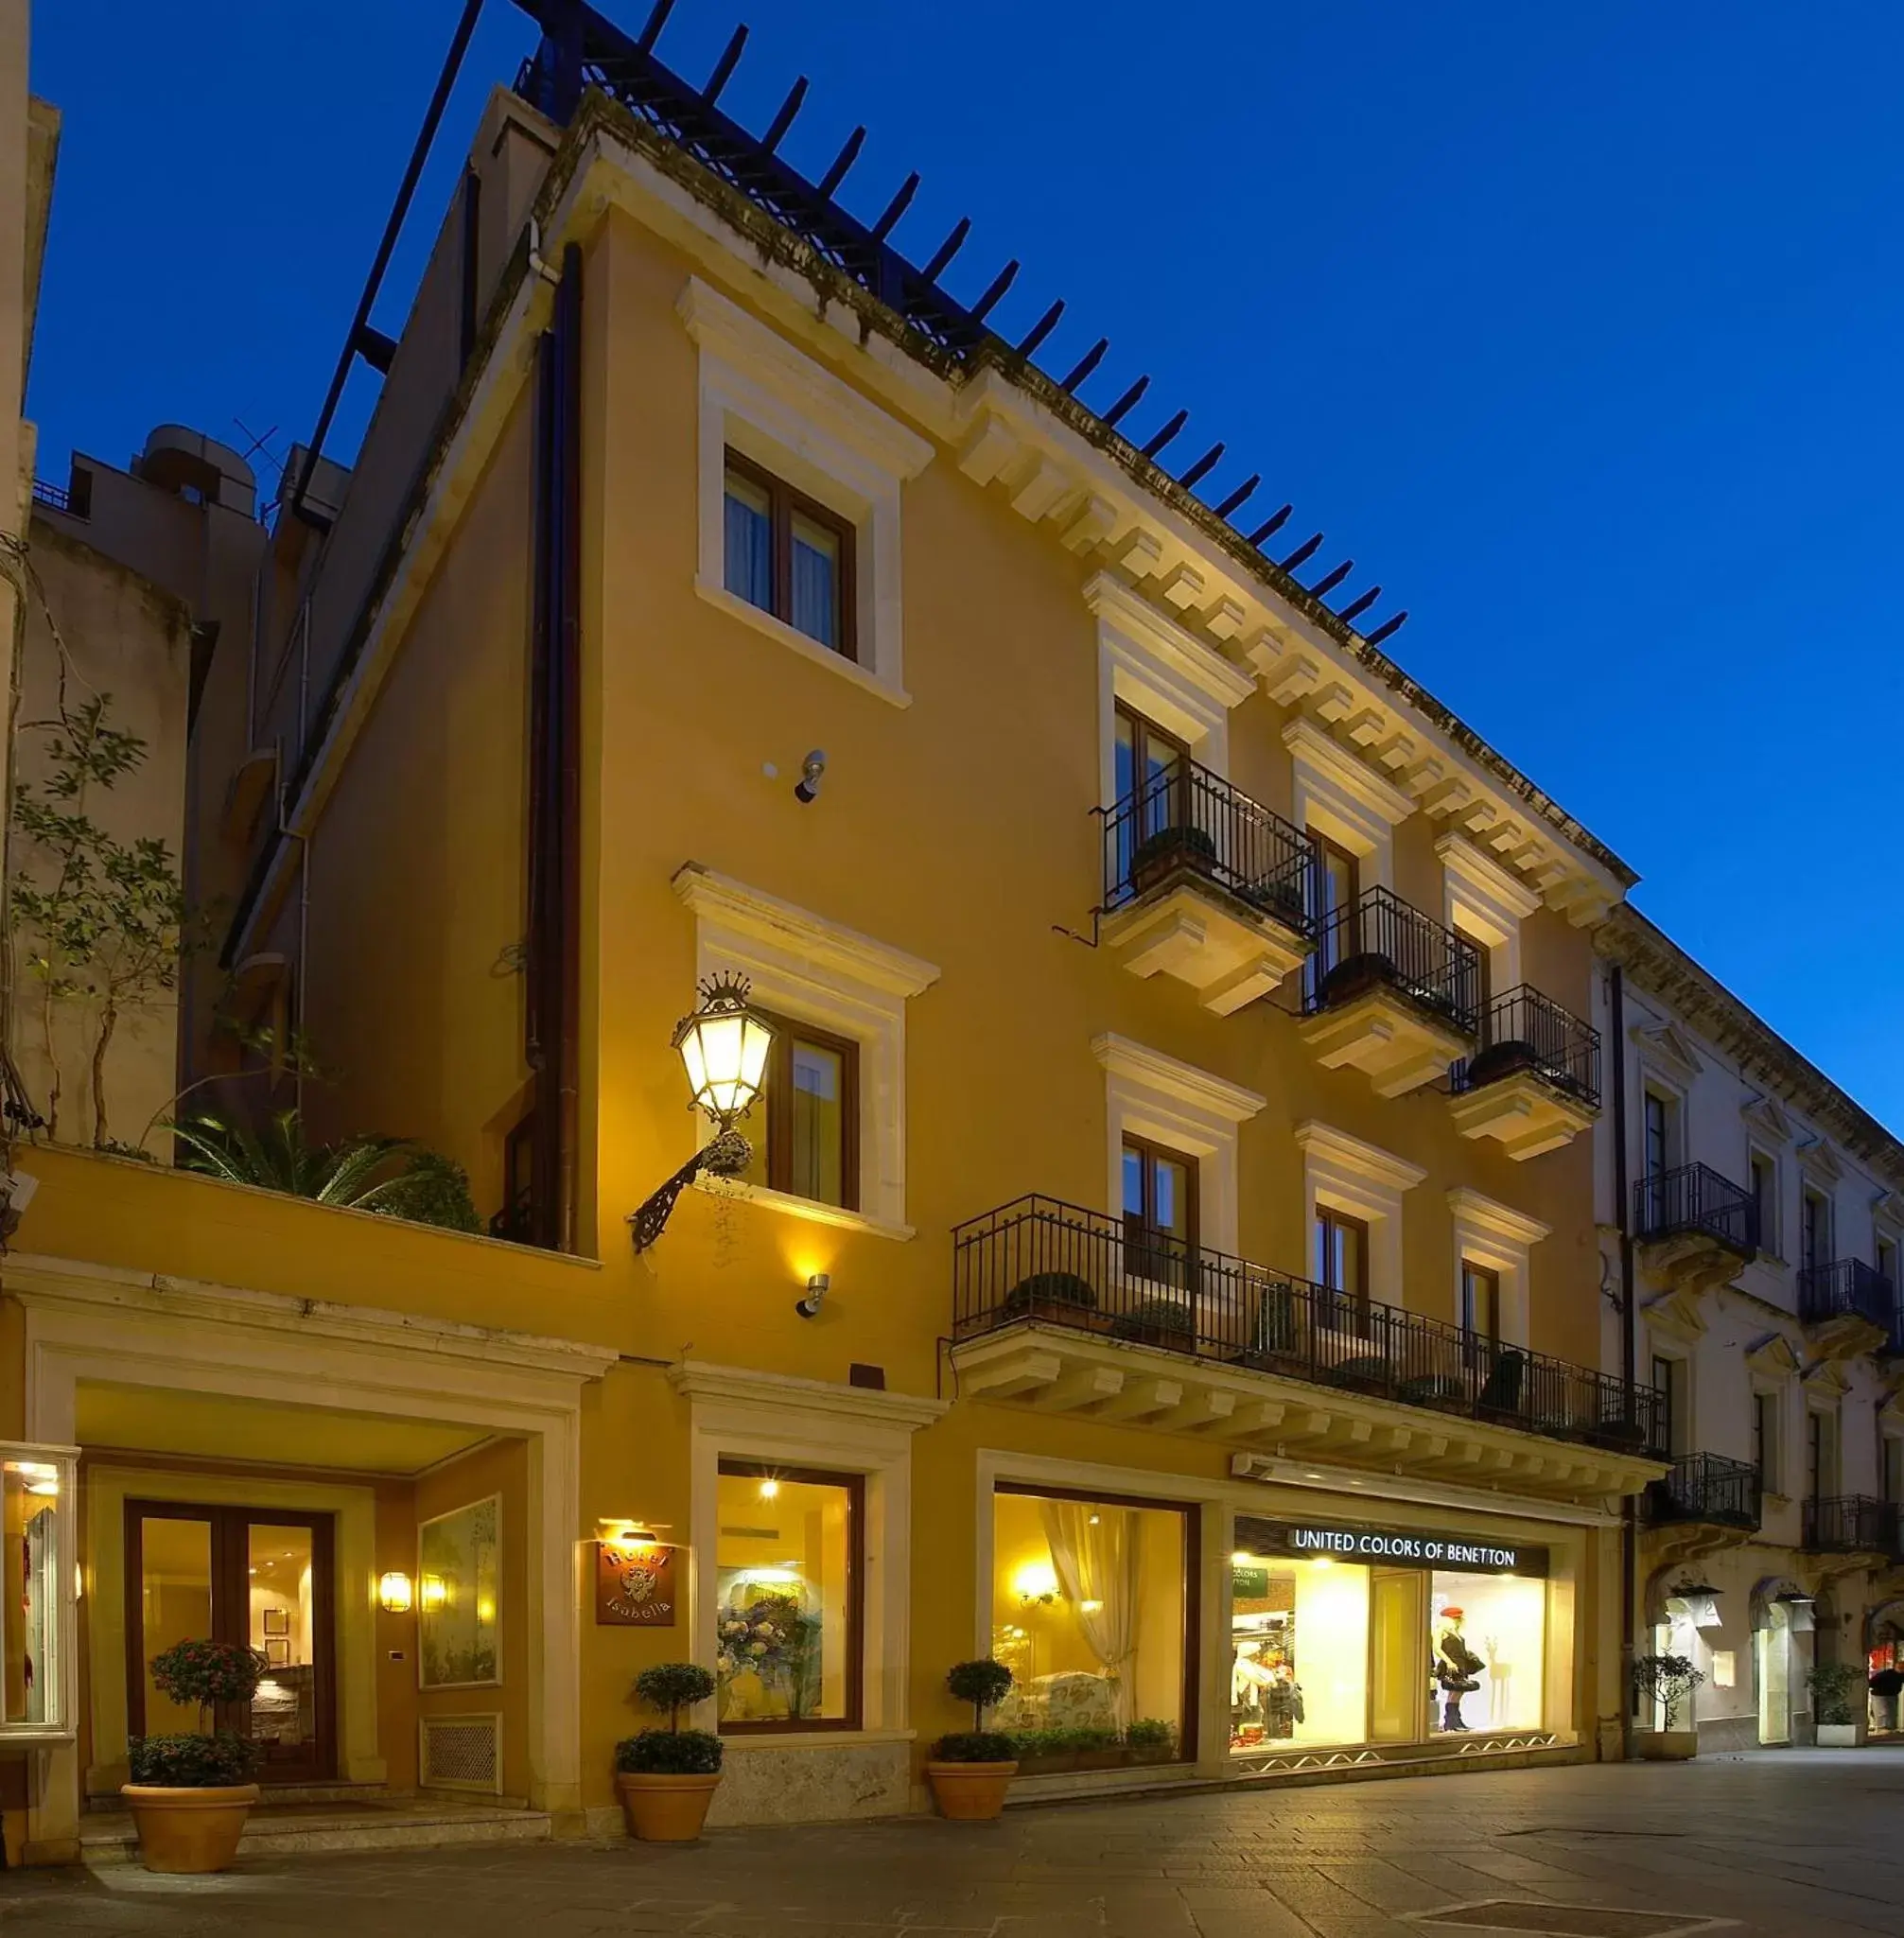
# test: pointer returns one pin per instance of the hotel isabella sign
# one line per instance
(1394, 1547)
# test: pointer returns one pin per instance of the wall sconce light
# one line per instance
(818, 1284)
(723, 1046)
(1037, 1582)
(393, 1593)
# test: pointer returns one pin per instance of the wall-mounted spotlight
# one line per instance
(818, 1284)
(806, 788)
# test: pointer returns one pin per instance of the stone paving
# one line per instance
(1801, 1841)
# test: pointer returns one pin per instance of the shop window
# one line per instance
(809, 1146)
(36, 1490)
(789, 1568)
(788, 555)
(1092, 1612)
(1327, 1650)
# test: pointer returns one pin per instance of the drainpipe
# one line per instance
(555, 774)
(1628, 1356)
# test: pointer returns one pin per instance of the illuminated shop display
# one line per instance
(35, 1609)
(1343, 1635)
(787, 1599)
(1091, 1611)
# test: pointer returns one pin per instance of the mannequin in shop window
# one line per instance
(1458, 1669)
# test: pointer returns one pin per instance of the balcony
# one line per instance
(1058, 1308)
(1706, 1490)
(1849, 1306)
(1534, 1083)
(1695, 1228)
(1392, 993)
(1203, 884)
(1851, 1524)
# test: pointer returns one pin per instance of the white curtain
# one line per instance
(1096, 1552)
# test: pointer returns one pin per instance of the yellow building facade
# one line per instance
(1167, 1259)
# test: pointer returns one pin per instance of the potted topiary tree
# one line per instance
(971, 1769)
(1669, 1681)
(190, 1793)
(666, 1777)
(1833, 1684)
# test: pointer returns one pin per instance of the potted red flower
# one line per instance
(190, 1793)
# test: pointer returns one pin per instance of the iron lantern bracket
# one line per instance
(725, 1156)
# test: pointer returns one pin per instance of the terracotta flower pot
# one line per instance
(188, 1830)
(1668, 1745)
(969, 1792)
(665, 1809)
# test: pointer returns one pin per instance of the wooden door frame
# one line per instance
(230, 1591)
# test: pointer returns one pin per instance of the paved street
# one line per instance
(1788, 1843)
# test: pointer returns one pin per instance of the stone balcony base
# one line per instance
(1396, 1044)
(1229, 952)
(1525, 1114)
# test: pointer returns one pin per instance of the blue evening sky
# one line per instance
(1580, 328)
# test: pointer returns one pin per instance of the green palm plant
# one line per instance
(394, 1176)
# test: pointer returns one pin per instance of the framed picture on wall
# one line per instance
(277, 1622)
(277, 1652)
(459, 1600)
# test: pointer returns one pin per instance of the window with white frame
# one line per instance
(1487, 905)
(799, 480)
(1172, 1135)
(1156, 681)
(1494, 1245)
(1348, 1183)
(1762, 1169)
(840, 999)
(1338, 797)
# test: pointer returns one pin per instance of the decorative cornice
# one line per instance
(1309, 745)
(764, 918)
(1667, 1045)
(1773, 1354)
(1676, 1314)
(1326, 1144)
(697, 1379)
(1818, 1159)
(1489, 1215)
(1153, 1070)
(37, 1279)
(1115, 604)
(1659, 965)
(1488, 879)
(1764, 1115)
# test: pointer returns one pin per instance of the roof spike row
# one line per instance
(842, 161)
(1360, 604)
(1329, 581)
(1041, 328)
(776, 131)
(1386, 627)
(999, 284)
(656, 21)
(1128, 398)
(724, 66)
(896, 207)
(947, 250)
(1269, 526)
(1169, 431)
(1305, 551)
(1202, 467)
(1241, 493)
(1086, 364)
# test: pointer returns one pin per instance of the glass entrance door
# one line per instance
(261, 1576)
(1773, 1644)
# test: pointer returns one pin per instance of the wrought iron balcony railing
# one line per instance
(1846, 1288)
(1186, 820)
(1040, 1259)
(1850, 1524)
(1525, 1031)
(54, 496)
(1380, 941)
(1694, 1198)
(1710, 1490)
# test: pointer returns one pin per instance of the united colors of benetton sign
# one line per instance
(1394, 1547)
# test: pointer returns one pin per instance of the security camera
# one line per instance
(808, 787)
(817, 1286)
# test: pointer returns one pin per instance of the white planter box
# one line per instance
(1839, 1735)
